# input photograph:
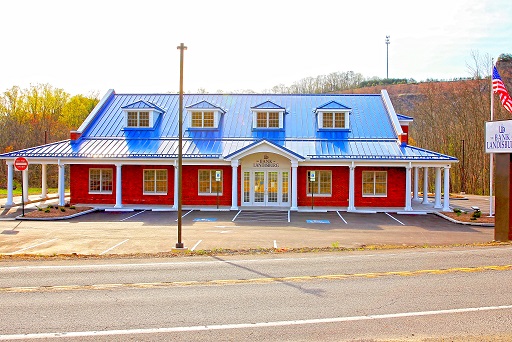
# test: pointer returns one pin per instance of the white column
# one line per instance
(351, 188)
(437, 203)
(446, 200)
(119, 187)
(175, 206)
(234, 185)
(44, 183)
(408, 175)
(415, 187)
(25, 185)
(61, 185)
(425, 186)
(295, 165)
(10, 176)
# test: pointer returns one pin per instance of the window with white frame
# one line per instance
(375, 183)
(155, 182)
(100, 181)
(137, 119)
(322, 185)
(208, 184)
(202, 119)
(270, 119)
(333, 119)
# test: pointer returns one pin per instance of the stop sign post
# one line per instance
(21, 164)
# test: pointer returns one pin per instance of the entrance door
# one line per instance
(265, 188)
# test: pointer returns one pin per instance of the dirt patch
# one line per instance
(466, 217)
(56, 212)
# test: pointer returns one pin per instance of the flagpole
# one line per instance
(491, 155)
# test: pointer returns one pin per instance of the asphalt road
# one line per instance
(455, 293)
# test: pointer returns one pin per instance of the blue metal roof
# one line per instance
(371, 136)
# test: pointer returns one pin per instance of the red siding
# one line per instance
(340, 179)
(395, 192)
(133, 178)
(79, 185)
(190, 194)
(405, 136)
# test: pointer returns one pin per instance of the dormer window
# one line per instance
(268, 115)
(138, 119)
(333, 115)
(141, 114)
(203, 120)
(204, 115)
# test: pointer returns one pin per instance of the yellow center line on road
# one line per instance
(222, 282)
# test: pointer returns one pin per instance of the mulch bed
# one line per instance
(466, 217)
(56, 212)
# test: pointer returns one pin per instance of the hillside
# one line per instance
(450, 115)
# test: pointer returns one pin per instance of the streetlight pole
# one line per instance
(387, 56)
(182, 49)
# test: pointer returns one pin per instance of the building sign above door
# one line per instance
(265, 162)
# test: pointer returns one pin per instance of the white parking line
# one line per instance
(275, 244)
(341, 217)
(197, 244)
(234, 218)
(129, 217)
(403, 224)
(29, 247)
(182, 216)
(251, 325)
(111, 248)
(288, 216)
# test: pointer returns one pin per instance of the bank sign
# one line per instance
(498, 137)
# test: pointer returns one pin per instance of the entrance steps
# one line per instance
(262, 216)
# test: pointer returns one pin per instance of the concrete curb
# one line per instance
(24, 218)
(464, 223)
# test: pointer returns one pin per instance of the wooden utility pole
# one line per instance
(182, 49)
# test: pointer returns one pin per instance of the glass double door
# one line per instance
(266, 188)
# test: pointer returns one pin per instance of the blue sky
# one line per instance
(130, 46)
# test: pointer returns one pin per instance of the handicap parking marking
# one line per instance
(319, 221)
(341, 217)
(394, 218)
(205, 219)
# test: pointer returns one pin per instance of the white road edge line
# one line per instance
(397, 220)
(182, 216)
(247, 325)
(275, 244)
(197, 244)
(129, 217)
(234, 218)
(341, 217)
(111, 248)
(29, 247)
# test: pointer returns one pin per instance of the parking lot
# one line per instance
(146, 231)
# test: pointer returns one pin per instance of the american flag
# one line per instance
(499, 88)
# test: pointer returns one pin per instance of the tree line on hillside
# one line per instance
(37, 115)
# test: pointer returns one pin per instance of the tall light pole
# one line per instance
(387, 56)
(182, 49)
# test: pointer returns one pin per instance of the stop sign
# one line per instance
(21, 164)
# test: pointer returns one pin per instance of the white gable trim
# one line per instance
(264, 147)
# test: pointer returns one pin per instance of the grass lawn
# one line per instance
(31, 191)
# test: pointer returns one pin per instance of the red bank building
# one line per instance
(279, 151)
